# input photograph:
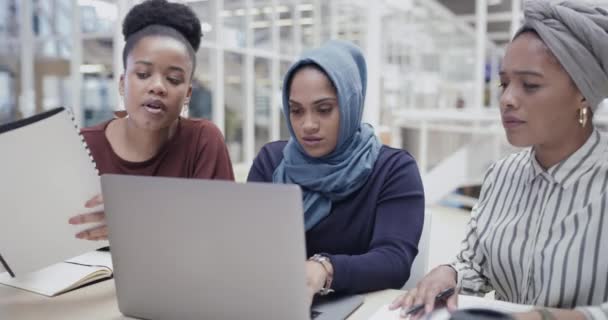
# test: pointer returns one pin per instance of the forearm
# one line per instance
(372, 271)
(470, 261)
(555, 314)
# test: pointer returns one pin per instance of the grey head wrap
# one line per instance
(577, 34)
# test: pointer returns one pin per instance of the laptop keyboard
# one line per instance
(314, 314)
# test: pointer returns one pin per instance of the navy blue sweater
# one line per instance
(372, 236)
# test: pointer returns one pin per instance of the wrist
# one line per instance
(318, 275)
(544, 314)
(326, 273)
(451, 270)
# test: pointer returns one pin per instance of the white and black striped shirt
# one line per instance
(540, 237)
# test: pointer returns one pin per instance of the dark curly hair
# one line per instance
(162, 18)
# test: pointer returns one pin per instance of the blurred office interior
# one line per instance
(432, 85)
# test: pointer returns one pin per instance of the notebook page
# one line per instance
(94, 258)
(383, 313)
(464, 302)
(468, 302)
(46, 177)
(56, 278)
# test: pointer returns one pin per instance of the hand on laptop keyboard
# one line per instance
(315, 278)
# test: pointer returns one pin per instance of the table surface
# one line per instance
(98, 301)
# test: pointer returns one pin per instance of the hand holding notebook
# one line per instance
(99, 232)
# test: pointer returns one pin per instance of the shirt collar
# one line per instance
(534, 168)
(575, 166)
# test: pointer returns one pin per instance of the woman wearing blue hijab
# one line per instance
(363, 201)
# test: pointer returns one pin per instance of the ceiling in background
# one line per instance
(499, 16)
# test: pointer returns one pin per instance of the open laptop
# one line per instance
(207, 249)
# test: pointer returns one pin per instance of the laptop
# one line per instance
(208, 249)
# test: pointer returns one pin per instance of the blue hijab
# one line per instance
(346, 169)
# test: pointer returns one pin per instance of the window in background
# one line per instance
(9, 60)
(201, 102)
(325, 19)
(455, 80)
(262, 12)
(52, 25)
(234, 24)
(205, 10)
(97, 101)
(55, 91)
(351, 21)
(97, 17)
(234, 98)
(9, 14)
(263, 98)
(285, 22)
(284, 131)
(99, 97)
(53, 30)
(397, 77)
(458, 81)
(307, 20)
(52, 78)
(8, 109)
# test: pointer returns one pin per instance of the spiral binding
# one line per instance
(84, 143)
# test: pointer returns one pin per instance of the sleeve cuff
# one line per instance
(459, 273)
(341, 272)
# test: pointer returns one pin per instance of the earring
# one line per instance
(120, 114)
(185, 110)
(583, 116)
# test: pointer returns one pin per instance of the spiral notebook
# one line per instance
(46, 176)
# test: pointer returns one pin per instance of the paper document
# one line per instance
(464, 302)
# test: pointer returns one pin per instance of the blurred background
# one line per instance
(432, 85)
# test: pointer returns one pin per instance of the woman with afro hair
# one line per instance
(150, 138)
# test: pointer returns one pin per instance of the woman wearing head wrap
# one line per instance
(538, 234)
(363, 202)
(159, 58)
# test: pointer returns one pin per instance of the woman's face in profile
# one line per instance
(156, 83)
(313, 112)
(539, 101)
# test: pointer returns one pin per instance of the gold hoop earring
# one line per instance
(120, 114)
(583, 116)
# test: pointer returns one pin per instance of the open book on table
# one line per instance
(64, 276)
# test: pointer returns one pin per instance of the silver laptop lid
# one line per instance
(206, 249)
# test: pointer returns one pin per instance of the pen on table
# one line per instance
(6, 267)
(442, 296)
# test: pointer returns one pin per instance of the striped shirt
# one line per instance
(539, 236)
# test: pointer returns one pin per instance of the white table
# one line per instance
(98, 301)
